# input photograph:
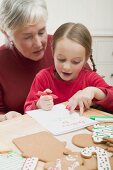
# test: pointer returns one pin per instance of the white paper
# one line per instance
(59, 120)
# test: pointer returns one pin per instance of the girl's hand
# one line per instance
(45, 101)
(82, 99)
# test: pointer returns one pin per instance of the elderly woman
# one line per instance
(26, 51)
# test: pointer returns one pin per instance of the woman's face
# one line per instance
(69, 58)
(31, 40)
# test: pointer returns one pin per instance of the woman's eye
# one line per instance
(29, 37)
(41, 33)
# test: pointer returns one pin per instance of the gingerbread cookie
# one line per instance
(70, 162)
(111, 162)
(110, 140)
(42, 145)
(84, 140)
(91, 163)
(101, 133)
(101, 154)
(101, 123)
(109, 143)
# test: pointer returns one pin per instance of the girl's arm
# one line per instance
(83, 98)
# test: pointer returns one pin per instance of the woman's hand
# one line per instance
(11, 115)
(45, 102)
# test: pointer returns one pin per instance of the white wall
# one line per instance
(97, 15)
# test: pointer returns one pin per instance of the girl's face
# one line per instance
(31, 40)
(69, 58)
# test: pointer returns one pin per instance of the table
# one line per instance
(25, 125)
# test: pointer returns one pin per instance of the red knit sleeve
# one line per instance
(39, 84)
(107, 102)
(2, 110)
(97, 81)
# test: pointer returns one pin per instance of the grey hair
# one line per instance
(19, 13)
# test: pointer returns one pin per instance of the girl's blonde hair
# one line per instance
(75, 32)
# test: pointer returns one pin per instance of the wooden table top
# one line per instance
(25, 125)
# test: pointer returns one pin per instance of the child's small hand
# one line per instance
(82, 99)
(45, 92)
(45, 102)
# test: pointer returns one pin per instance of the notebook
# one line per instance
(59, 120)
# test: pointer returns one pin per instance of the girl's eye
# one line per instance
(75, 62)
(61, 60)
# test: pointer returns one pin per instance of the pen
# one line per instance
(102, 118)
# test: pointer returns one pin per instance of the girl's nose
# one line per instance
(67, 66)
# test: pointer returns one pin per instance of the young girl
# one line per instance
(68, 78)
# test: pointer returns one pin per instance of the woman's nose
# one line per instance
(37, 41)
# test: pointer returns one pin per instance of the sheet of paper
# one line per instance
(59, 120)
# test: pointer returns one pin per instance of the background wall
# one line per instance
(97, 15)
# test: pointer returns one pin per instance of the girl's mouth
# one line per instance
(66, 74)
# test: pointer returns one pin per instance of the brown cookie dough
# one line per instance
(90, 164)
(84, 140)
(110, 140)
(42, 145)
(111, 162)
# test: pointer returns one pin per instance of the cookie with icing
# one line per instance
(67, 163)
(70, 162)
(102, 132)
(101, 123)
(101, 155)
